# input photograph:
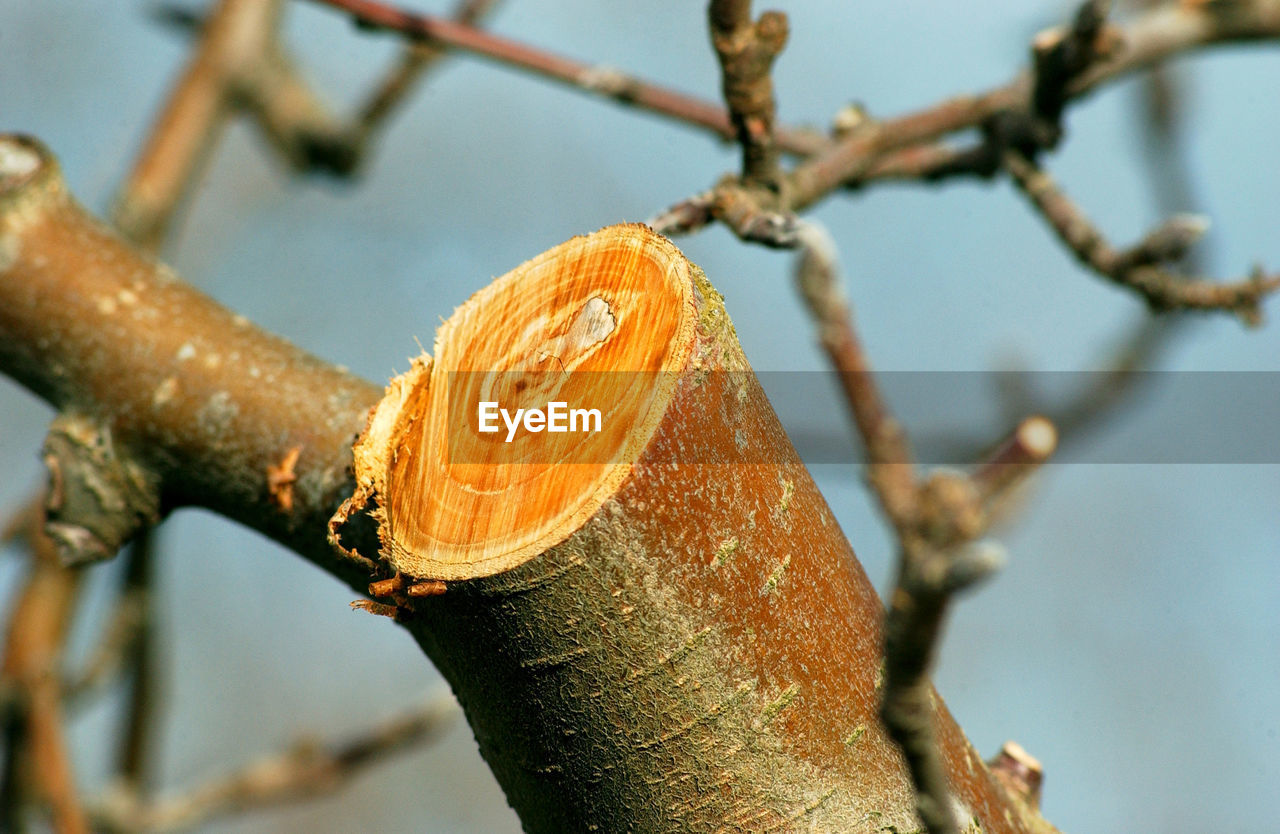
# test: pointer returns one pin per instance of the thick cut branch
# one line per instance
(682, 636)
(697, 646)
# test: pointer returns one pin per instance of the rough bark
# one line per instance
(196, 397)
(699, 652)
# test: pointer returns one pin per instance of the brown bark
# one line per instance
(32, 665)
(196, 397)
(699, 651)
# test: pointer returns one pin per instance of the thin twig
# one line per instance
(747, 49)
(239, 65)
(38, 626)
(910, 147)
(891, 468)
(138, 739)
(183, 135)
(1147, 40)
(1019, 120)
(307, 769)
(936, 521)
(1138, 267)
(1163, 99)
(1062, 55)
(415, 60)
(597, 79)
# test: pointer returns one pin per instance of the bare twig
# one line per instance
(1022, 117)
(747, 49)
(33, 645)
(891, 470)
(240, 65)
(188, 126)
(1171, 182)
(138, 739)
(936, 521)
(1137, 268)
(1147, 40)
(415, 60)
(597, 79)
(307, 769)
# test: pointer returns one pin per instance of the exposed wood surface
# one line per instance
(608, 328)
(700, 649)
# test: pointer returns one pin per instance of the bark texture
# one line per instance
(700, 654)
(203, 402)
(703, 652)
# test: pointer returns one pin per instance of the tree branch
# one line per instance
(78, 325)
(1149, 39)
(415, 60)
(38, 749)
(600, 80)
(747, 49)
(205, 405)
(1018, 120)
(1139, 267)
(182, 137)
(138, 740)
(890, 464)
(935, 520)
(310, 768)
(239, 65)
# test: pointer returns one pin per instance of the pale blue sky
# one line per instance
(1130, 644)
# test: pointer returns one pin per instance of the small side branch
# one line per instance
(37, 754)
(307, 769)
(747, 49)
(187, 129)
(1140, 268)
(600, 80)
(415, 61)
(937, 521)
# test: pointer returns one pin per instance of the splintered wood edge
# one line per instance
(412, 406)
